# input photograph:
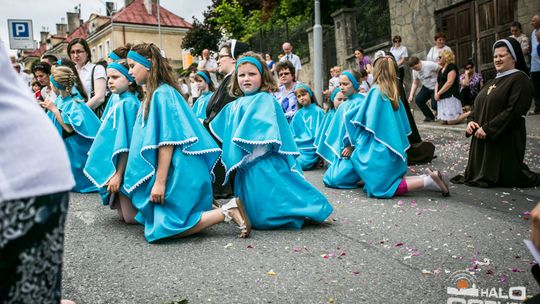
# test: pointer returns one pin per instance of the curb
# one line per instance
(441, 128)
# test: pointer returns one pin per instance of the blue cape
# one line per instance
(188, 190)
(336, 137)
(199, 107)
(113, 138)
(168, 123)
(85, 125)
(321, 136)
(379, 134)
(253, 120)
(306, 125)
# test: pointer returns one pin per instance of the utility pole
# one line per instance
(318, 53)
(159, 27)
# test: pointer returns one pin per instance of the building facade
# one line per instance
(135, 23)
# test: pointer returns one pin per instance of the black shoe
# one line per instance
(427, 119)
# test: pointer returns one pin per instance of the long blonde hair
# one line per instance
(385, 75)
(160, 71)
(64, 76)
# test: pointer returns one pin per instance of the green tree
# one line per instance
(201, 36)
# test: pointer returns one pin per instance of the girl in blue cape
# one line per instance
(333, 102)
(108, 155)
(335, 146)
(378, 128)
(258, 146)
(79, 125)
(168, 172)
(77, 91)
(206, 88)
(306, 125)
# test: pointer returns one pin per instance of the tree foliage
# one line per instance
(245, 19)
(201, 36)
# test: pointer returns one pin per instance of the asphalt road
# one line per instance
(402, 250)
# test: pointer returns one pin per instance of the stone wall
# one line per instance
(414, 21)
(525, 10)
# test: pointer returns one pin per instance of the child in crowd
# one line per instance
(108, 155)
(168, 172)
(366, 82)
(205, 89)
(75, 121)
(336, 147)
(378, 129)
(259, 147)
(36, 88)
(77, 91)
(328, 117)
(306, 125)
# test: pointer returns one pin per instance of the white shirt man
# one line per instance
(424, 72)
(209, 64)
(295, 60)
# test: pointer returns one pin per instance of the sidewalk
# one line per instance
(532, 122)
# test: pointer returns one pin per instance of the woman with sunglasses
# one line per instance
(470, 83)
(400, 54)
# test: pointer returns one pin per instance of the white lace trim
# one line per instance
(188, 142)
(382, 142)
(87, 174)
(251, 142)
(75, 129)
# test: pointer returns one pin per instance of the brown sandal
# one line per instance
(439, 180)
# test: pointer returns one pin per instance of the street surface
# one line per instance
(401, 250)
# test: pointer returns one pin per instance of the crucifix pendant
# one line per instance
(491, 88)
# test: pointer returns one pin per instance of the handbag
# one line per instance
(101, 108)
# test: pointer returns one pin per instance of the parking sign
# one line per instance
(21, 34)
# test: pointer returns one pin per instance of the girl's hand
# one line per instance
(437, 97)
(346, 153)
(114, 183)
(471, 126)
(480, 133)
(48, 104)
(157, 195)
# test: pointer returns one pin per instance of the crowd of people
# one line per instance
(129, 133)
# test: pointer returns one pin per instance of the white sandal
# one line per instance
(243, 221)
(437, 177)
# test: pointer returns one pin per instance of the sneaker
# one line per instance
(535, 112)
(427, 119)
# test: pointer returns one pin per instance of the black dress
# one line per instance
(219, 99)
(497, 160)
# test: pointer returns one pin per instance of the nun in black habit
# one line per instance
(497, 125)
(226, 62)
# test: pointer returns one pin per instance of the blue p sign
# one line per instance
(20, 30)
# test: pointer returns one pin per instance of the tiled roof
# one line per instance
(80, 32)
(37, 52)
(136, 13)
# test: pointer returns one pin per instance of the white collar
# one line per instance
(506, 73)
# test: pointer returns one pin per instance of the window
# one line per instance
(100, 51)
(107, 47)
(94, 52)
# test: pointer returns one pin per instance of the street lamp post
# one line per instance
(318, 53)
(159, 27)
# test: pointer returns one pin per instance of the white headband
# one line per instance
(509, 45)
(233, 46)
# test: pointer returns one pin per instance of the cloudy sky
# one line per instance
(48, 13)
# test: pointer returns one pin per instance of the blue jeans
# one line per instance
(422, 98)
